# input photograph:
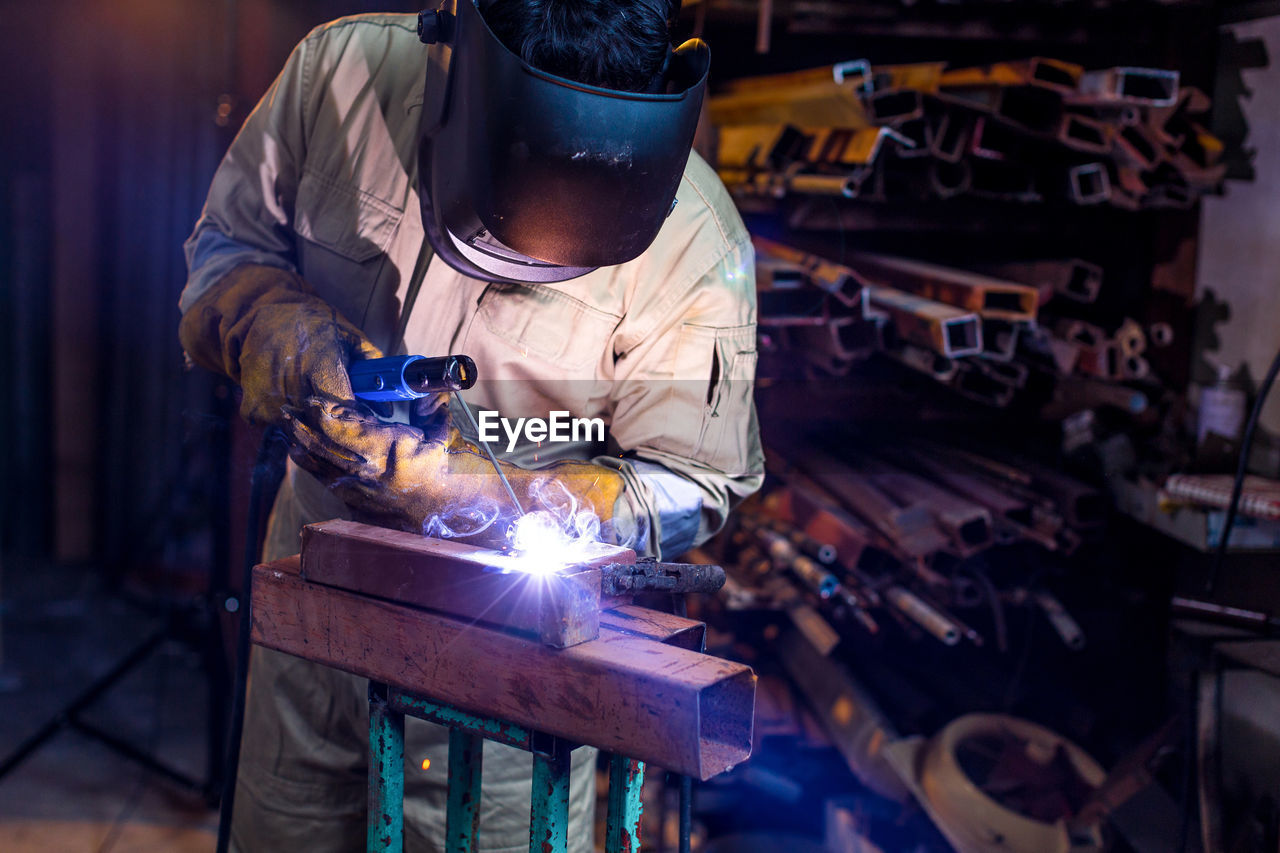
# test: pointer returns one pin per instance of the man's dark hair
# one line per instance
(615, 44)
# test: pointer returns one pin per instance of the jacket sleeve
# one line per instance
(684, 415)
(249, 210)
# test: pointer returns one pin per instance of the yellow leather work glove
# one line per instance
(394, 476)
(266, 329)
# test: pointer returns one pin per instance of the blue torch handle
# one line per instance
(382, 380)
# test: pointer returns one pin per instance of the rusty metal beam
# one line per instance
(459, 579)
(687, 712)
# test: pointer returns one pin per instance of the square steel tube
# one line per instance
(684, 711)
(462, 580)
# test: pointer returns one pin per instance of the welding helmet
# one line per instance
(524, 176)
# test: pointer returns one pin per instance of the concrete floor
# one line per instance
(60, 632)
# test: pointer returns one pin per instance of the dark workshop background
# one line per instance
(123, 475)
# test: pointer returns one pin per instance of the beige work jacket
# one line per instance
(322, 180)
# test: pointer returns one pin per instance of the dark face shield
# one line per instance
(525, 176)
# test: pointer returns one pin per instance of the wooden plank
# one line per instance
(560, 608)
(687, 712)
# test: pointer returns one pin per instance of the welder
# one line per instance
(520, 189)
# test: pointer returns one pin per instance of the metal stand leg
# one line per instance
(386, 774)
(466, 755)
(549, 819)
(626, 777)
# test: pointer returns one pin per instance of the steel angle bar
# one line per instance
(603, 693)
(984, 295)
(943, 328)
(1154, 87)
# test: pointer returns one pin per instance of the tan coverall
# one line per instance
(322, 180)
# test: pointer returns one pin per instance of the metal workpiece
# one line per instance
(604, 693)
(560, 608)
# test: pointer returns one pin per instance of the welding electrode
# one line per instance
(407, 377)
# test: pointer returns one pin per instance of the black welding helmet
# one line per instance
(529, 177)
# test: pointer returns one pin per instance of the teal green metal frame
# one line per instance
(549, 803)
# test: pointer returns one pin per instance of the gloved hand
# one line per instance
(394, 476)
(266, 329)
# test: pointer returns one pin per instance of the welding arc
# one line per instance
(466, 410)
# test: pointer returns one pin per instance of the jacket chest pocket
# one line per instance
(344, 238)
(546, 324)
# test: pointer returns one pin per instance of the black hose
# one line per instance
(261, 480)
(1237, 487)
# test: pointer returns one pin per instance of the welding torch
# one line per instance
(408, 377)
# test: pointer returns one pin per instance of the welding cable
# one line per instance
(1237, 487)
(264, 468)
